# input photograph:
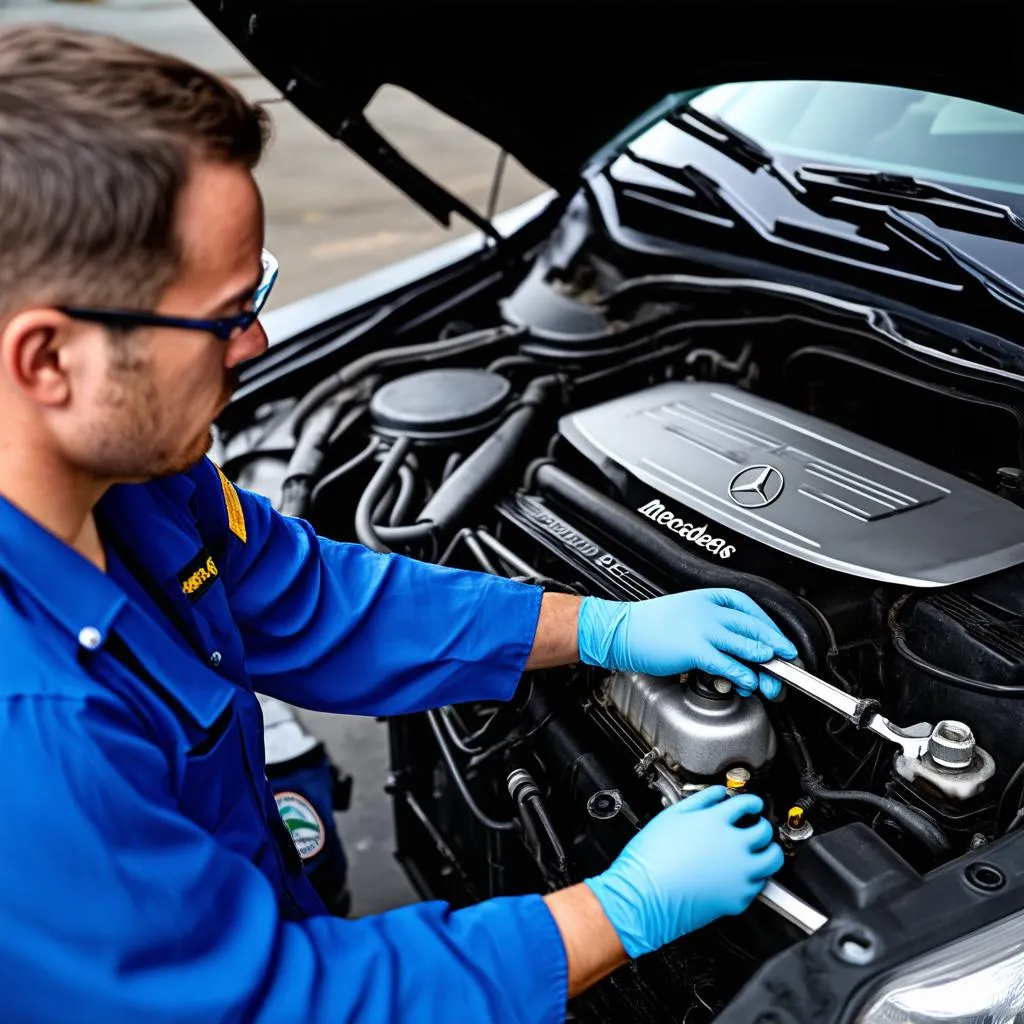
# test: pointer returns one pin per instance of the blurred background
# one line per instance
(329, 217)
(329, 220)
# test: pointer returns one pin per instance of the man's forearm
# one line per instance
(555, 641)
(592, 946)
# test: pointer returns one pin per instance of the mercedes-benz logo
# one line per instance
(756, 486)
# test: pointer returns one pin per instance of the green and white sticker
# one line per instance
(304, 825)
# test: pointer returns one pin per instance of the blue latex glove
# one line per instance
(698, 629)
(689, 866)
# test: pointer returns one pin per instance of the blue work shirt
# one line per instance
(145, 872)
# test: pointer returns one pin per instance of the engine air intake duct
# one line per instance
(793, 618)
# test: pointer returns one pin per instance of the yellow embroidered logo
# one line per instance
(198, 575)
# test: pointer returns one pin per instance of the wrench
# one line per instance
(913, 740)
(788, 905)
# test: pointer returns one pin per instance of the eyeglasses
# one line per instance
(225, 328)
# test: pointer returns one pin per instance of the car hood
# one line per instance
(555, 95)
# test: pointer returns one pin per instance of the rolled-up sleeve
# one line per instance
(336, 627)
(118, 908)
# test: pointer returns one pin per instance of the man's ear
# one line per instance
(34, 356)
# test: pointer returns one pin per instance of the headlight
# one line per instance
(975, 980)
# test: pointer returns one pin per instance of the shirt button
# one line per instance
(215, 659)
(90, 637)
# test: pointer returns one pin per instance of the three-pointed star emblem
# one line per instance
(756, 486)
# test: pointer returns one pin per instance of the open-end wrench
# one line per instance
(862, 713)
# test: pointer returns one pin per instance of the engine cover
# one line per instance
(693, 455)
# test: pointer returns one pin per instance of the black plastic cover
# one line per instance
(975, 631)
(816, 980)
(852, 868)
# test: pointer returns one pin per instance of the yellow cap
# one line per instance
(795, 817)
(737, 778)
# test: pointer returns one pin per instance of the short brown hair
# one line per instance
(96, 139)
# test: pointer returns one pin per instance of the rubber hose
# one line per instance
(405, 495)
(460, 782)
(375, 491)
(345, 467)
(916, 824)
(450, 502)
(308, 456)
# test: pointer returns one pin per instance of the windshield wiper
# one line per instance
(733, 143)
(852, 186)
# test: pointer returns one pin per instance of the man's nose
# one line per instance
(247, 345)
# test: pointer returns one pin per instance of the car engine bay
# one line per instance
(618, 423)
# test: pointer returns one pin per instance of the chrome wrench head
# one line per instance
(913, 739)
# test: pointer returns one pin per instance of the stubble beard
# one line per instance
(137, 445)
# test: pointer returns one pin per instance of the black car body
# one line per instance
(768, 336)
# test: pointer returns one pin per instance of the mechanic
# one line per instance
(145, 873)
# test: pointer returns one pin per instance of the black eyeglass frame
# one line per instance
(223, 328)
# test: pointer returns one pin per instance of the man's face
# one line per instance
(148, 408)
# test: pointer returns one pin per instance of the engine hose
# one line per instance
(792, 616)
(308, 455)
(448, 506)
(514, 362)
(924, 830)
(478, 553)
(370, 535)
(407, 485)
(450, 502)
(450, 465)
(444, 716)
(345, 467)
(916, 824)
(347, 422)
(383, 508)
(460, 782)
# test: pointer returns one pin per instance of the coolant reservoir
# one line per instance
(697, 728)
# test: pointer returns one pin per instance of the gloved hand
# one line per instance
(689, 866)
(705, 629)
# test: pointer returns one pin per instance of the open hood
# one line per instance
(553, 84)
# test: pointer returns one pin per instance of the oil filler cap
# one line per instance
(440, 404)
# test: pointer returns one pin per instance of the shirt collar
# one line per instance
(87, 603)
(82, 600)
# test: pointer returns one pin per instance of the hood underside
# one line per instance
(552, 85)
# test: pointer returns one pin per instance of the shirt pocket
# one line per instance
(215, 790)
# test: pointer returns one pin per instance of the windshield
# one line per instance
(903, 131)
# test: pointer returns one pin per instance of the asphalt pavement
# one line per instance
(329, 219)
